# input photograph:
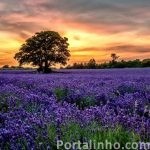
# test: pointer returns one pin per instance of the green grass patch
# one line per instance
(74, 132)
(62, 94)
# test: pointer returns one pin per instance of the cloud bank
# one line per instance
(107, 22)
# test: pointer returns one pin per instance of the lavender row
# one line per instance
(30, 103)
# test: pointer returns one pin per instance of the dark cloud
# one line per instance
(111, 16)
(118, 48)
(129, 48)
(19, 27)
(93, 49)
(15, 6)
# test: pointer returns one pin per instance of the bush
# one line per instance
(62, 94)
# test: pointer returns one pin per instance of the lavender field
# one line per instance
(36, 110)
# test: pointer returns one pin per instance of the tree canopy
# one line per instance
(44, 49)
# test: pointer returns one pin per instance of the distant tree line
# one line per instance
(92, 64)
(7, 67)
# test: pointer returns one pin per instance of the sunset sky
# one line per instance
(95, 28)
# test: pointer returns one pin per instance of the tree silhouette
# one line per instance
(44, 49)
(5, 66)
(92, 64)
(114, 57)
(146, 63)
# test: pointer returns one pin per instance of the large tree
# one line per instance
(44, 49)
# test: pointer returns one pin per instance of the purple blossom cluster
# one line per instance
(28, 103)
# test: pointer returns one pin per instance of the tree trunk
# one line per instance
(40, 69)
(46, 68)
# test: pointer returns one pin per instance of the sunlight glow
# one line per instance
(8, 42)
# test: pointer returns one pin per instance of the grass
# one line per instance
(73, 132)
(61, 93)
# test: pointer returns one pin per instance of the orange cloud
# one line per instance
(94, 28)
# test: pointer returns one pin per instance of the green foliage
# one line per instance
(5, 99)
(52, 132)
(119, 134)
(73, 132)
(61, 93)
(32, 107)
(70, 132)
(4, 107)
(124, 89)
(85, 102)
